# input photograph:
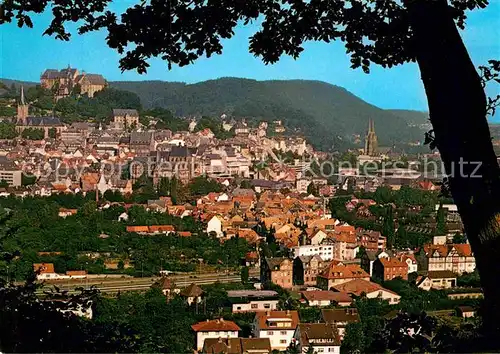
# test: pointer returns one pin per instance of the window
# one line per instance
(267, 306)
(320, 350)
(283, 333)
(270, 333)
(254, 306)
(238, 308)
(283, 341)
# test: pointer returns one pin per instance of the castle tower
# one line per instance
(371, 143)
(22, 109)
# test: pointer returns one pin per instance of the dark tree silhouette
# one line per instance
(386, 33)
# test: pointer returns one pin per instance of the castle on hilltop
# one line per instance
(64, 81)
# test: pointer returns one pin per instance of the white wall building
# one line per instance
(278, 326)
(325, 251)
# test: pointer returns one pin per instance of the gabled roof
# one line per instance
(343, 271)
(44, 268)
(123, 112)
(360, 286)
(326, 333)
(215, 326)
(349, 315)
(236, 345)
(326, 295)
(192, 290)
(261, 318)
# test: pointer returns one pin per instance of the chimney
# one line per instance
(288, 312)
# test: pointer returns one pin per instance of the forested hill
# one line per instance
(325, 113)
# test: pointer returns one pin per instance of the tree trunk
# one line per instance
(457, 106)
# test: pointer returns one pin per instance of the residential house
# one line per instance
(325, 251)
(457, 258)
(278, 271)
(363, 287)
(371, 240)
(438, 279)
(321, 337)
(237, 346)
(369, 257)
(64, 213)
(141, 143)
(218, 328)
(466, 311)
(126, 117)
(193, 294)
(167, 286)
(45, 271)
(411, 261)
(322, 298)
(253, 300)
(340, 318)
(214, 225)
(306, 269)
(278, 326)
(338, 273)
(390, 268)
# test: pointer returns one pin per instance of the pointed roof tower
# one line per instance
(22, 96)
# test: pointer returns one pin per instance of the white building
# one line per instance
(215, 225)
(253, 300)
(325, 251)
(219, 328)
(278, 326)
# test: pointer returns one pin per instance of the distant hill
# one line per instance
(326, 114)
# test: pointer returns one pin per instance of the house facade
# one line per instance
(278, 326)
(321, 337)
(278, 271)
(457, 258)
(340, 273)
(218, 328)
(390, 268)
(306, 269)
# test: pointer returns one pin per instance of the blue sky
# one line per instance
(25, 54)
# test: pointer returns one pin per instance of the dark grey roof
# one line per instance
(179, 151)
(43, 121)
(123, 112)
(140, 138)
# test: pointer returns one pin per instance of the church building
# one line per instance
(371, 143)
(25, 121)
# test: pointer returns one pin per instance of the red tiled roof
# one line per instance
(44, 267)
(215, 326)
(360, 286)
(262, 317)
(341, 271)
(392, 262)
(322, 295)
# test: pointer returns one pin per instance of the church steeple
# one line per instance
(22, 96)
(22, 109)
(371, 143)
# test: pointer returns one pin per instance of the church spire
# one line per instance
(22, 96)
